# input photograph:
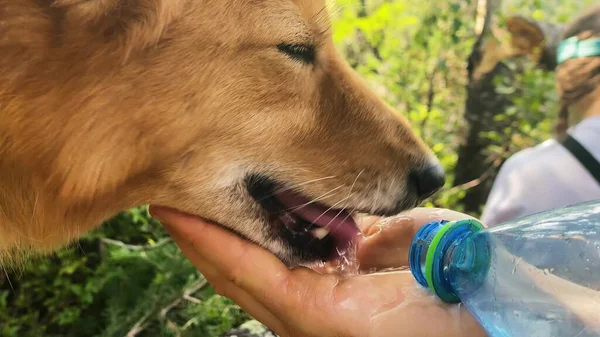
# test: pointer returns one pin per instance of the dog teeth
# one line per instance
(320, 233)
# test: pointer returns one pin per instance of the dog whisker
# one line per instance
(335, 217)
(377, 196)
(335, 9)
(319, 198)
(350, 194)
(355, 180)
(321, 14)
(35, 206)
(8, 279)
(330, 208)
(81, 248)
(345, 218)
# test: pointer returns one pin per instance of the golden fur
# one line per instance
(109, 104)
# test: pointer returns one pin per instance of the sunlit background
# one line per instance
(475, 92)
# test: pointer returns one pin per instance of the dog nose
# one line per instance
(428, 180)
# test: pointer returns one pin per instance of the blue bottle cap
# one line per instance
(428, 250)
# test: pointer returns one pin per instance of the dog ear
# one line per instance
(130, 24)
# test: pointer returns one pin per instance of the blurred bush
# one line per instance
(135, 284)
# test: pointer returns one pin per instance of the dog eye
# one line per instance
(300, 52)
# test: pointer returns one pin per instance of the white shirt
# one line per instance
(544, 177)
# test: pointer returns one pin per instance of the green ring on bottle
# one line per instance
(448, 227)
(431, 252)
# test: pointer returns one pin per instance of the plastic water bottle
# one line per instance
(538, 276)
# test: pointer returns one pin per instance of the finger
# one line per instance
(387, 241)
(424, 215)
(388, 247)
(365, 221)
(227, 289)
(418, 216)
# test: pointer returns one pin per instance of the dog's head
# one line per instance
(241, 112)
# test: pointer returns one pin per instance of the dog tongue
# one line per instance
(340, 224)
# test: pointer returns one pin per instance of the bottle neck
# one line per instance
(465, 263)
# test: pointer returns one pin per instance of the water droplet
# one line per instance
(517, 262)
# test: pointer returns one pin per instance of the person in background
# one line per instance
(566, 170)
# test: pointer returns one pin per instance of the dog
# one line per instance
(241, 112)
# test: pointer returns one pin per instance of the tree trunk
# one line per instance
(487, 63)
(473, 165)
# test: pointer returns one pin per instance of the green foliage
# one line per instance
(531, 118)
(101, 288)
(412, 53)
(558, 11)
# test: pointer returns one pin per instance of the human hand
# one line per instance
(303, 303)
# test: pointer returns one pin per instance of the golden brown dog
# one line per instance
(239, 111)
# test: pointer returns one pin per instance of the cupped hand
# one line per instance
(303, 303)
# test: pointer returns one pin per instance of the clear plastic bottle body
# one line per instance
(539, 276)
